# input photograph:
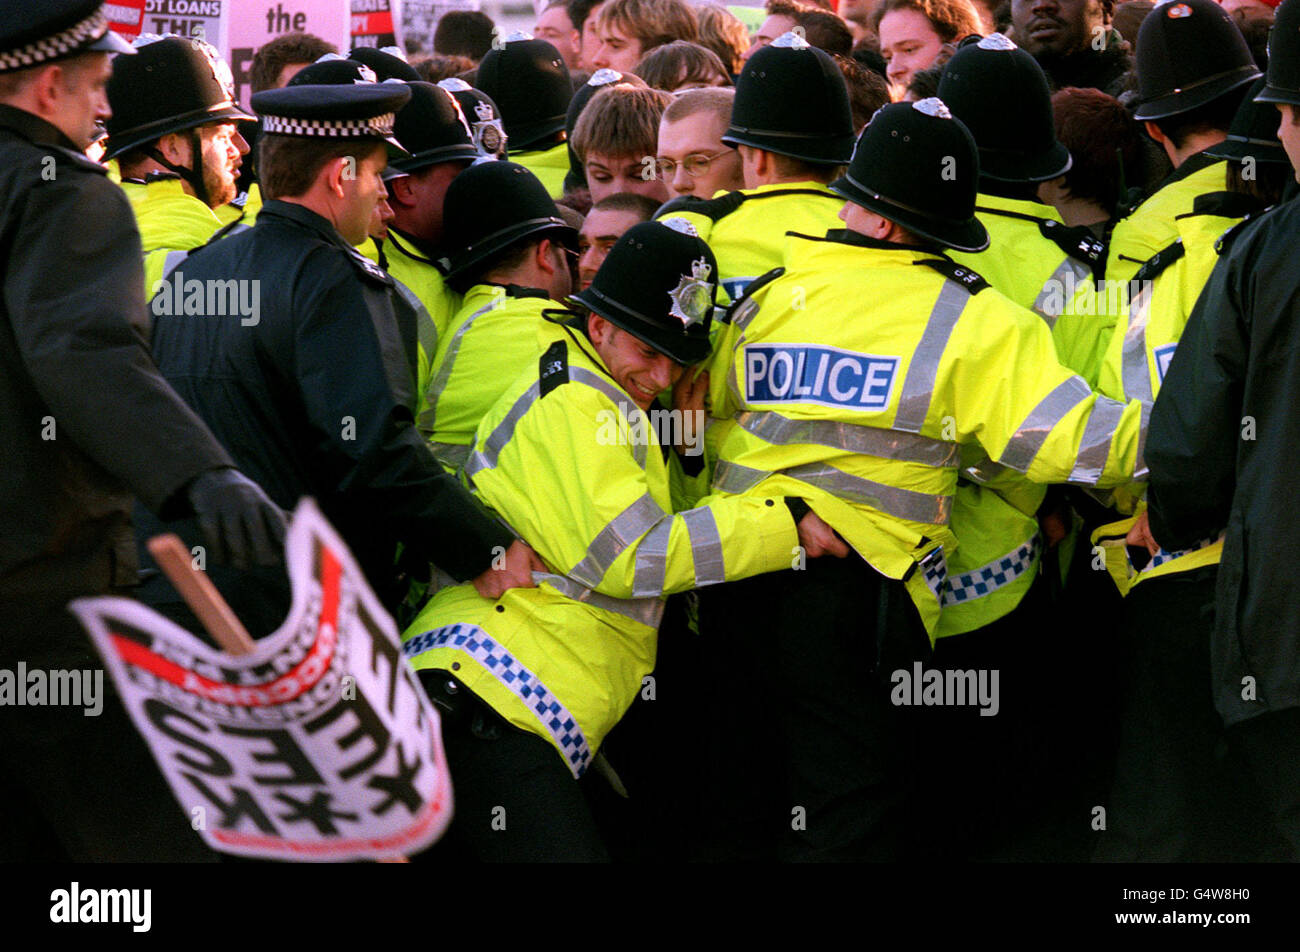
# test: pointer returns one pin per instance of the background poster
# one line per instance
(253, 22)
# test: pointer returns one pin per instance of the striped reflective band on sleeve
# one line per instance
(851, 437)
(902, 503)
(621, 531)
(553, 716)
(440, 379)
(1033, 431)
(1058, 283)
(451, 454)
(706, 546)
(989, 578)
(645, 611)
(652, 561)
(488, 457)
(171, 260)
(1134, 369)
(1098, 435)
(426, 330)
(918, 386)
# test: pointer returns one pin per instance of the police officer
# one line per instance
(174, 136)
(486, 128)
(329, 346)
(530, 84)
(511, 255)
(88, 423)
(1171, 736)
(1193, 66)
(866, 419)
(571, 457)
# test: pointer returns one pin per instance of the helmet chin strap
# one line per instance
(194, 175)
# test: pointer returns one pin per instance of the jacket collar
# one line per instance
(34, 128)
(302, 216)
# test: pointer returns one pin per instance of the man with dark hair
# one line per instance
(1074, 42)
(825, 30)
(331, 349)
(464, 33)
(583, 15)
(88, 424)
(554, 26)
(508, 252)
(174, 135)
(277, 61)
(608, 219)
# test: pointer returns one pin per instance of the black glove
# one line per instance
(238, 521)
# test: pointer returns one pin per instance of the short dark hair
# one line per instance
(274, 55)
(643, 206)
(436, 67)
(925, 82)
(579, 10)
(679, 62)
(464, 33)
(826, 31)
(1214, 116)
(1104, 140)
(287, 166)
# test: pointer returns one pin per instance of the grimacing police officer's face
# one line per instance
(636, 366)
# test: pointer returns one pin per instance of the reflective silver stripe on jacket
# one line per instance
(851, 437)
(903, 503)
(552, 715)
(1058, 281)
(706, 553)
(504, 432)
(918, 386)
(1033, 431)
(987, 579)
(1098, 435)
(451, 454)
(621, 531)
(1133, 367)
(171, 260)
(645, 611)
(440, 379)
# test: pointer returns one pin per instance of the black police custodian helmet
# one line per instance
(35, 33)
(1000, 94)
(1253, 133)
(385, 64)
(1189, 53)
(490, 207)
(529, 82)
(1284, 57)
(173, 83)
(432, 128)
(791, 99)
(659, 283)
(486, 129)
(917, 166)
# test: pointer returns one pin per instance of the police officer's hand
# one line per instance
(1140, 535)
(690, 390)
(241, 525)
(818, 539)
(512, 569)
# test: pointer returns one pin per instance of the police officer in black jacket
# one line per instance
(87, 424)
(308, 376)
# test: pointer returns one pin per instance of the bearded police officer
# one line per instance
(571, 457)
(313, 388)
(87, 424)
(174, 136)
(1222, 432)
(866, 418)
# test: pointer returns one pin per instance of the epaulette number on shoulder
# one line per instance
(972, 281)
(553, 367)
(1160, 261)
(1076, 242)
(743, 309)
(368, 267)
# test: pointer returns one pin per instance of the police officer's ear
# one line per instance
(175, 148)
(599, 330)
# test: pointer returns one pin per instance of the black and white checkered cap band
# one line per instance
(52, 47)
(330, 128)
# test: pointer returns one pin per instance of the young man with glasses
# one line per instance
(692, 158)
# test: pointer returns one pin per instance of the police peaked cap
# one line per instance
(36, 33)
(530, 84)
(1284, 57)
(170, 85)
(432, 128)
(492, 206)
(791, 99)
(1189, 53)
(659, 283)
(1000, 94)
(917, 165)
(342, 111)
(1253, 133)
(385, 65)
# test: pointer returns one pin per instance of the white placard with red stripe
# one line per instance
(320, 745)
